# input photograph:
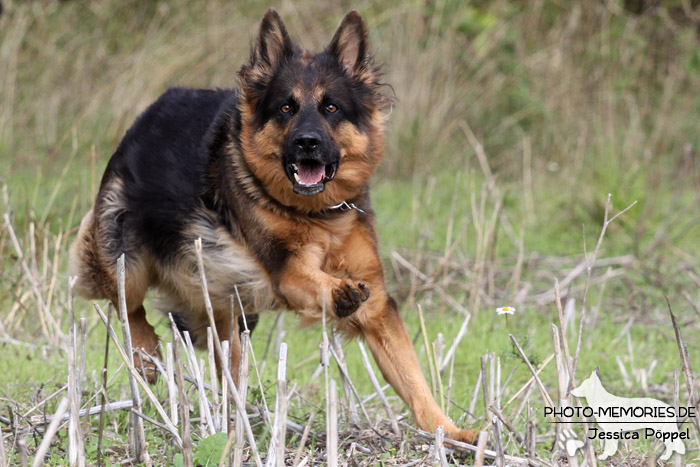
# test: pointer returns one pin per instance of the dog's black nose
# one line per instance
(308, 142)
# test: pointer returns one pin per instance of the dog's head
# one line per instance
(311, 123)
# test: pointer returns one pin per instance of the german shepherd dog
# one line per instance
(273, 177)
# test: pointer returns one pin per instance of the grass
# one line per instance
(568, 103)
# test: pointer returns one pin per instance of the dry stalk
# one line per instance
(134, 373)
(378, 389)
(485, 381)
(490, 179)
(535, 374)
(275, 453)
(83, 346)
(563, 340)
(22, 452)
(137, 434)
(240, 405)
(46, 319)
(677, 462)
(225, 414)
(43, 402)
(481, 448)
(332, 435)
(214, 382)
(281, 406)
(76, 450)
(96, 409)
(243, 391)
(529, 382)
(348, 388)
(352, 391)
(184, 403)
(621, 261)
(475, 394)
(562, 385)
(266, 411)
(170, 382)
(3, 455)
(304, 437)
(589, 269)
(518, 437)
(428, 350)
(440, 446)
(449, 387)
(464, 447)
(199, 381)
(685, 366)
(496, 430)
(438, 376)
(48, 435)
(531, 433)
(453, 348)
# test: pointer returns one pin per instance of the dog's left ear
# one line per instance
(350, 45)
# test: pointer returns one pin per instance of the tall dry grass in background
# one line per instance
(512, 122)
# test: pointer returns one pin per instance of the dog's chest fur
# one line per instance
(233, 271)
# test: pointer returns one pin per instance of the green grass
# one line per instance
(569, 103)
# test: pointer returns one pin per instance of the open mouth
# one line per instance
(309, 176)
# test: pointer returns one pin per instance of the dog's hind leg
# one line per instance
(144, 340)
(223, 329)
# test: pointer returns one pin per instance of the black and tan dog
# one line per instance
(265, 176)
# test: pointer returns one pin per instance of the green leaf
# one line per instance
(210, 449)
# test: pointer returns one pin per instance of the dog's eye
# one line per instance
(331, 108)
(286, 108)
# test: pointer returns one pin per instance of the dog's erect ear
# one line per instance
(273, 42)
(350, 45)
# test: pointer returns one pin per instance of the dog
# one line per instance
(603, 403)
(273, 177)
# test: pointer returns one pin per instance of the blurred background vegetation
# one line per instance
(570, 101)
(565, 102)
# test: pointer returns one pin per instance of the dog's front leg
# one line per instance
(306, 288)
(379, 322)
(393, 351)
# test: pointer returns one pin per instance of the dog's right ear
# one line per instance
(273, 43)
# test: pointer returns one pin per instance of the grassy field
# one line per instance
(511, 126)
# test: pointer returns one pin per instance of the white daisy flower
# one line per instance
(505, 310)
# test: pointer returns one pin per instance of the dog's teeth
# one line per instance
(296, 177)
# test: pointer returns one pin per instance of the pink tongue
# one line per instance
(310, 174)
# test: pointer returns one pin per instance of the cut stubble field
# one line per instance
(504, 144)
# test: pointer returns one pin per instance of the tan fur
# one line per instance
(230, 263)
(262, 151)
(325, 259)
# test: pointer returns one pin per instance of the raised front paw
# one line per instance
(348, 297)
